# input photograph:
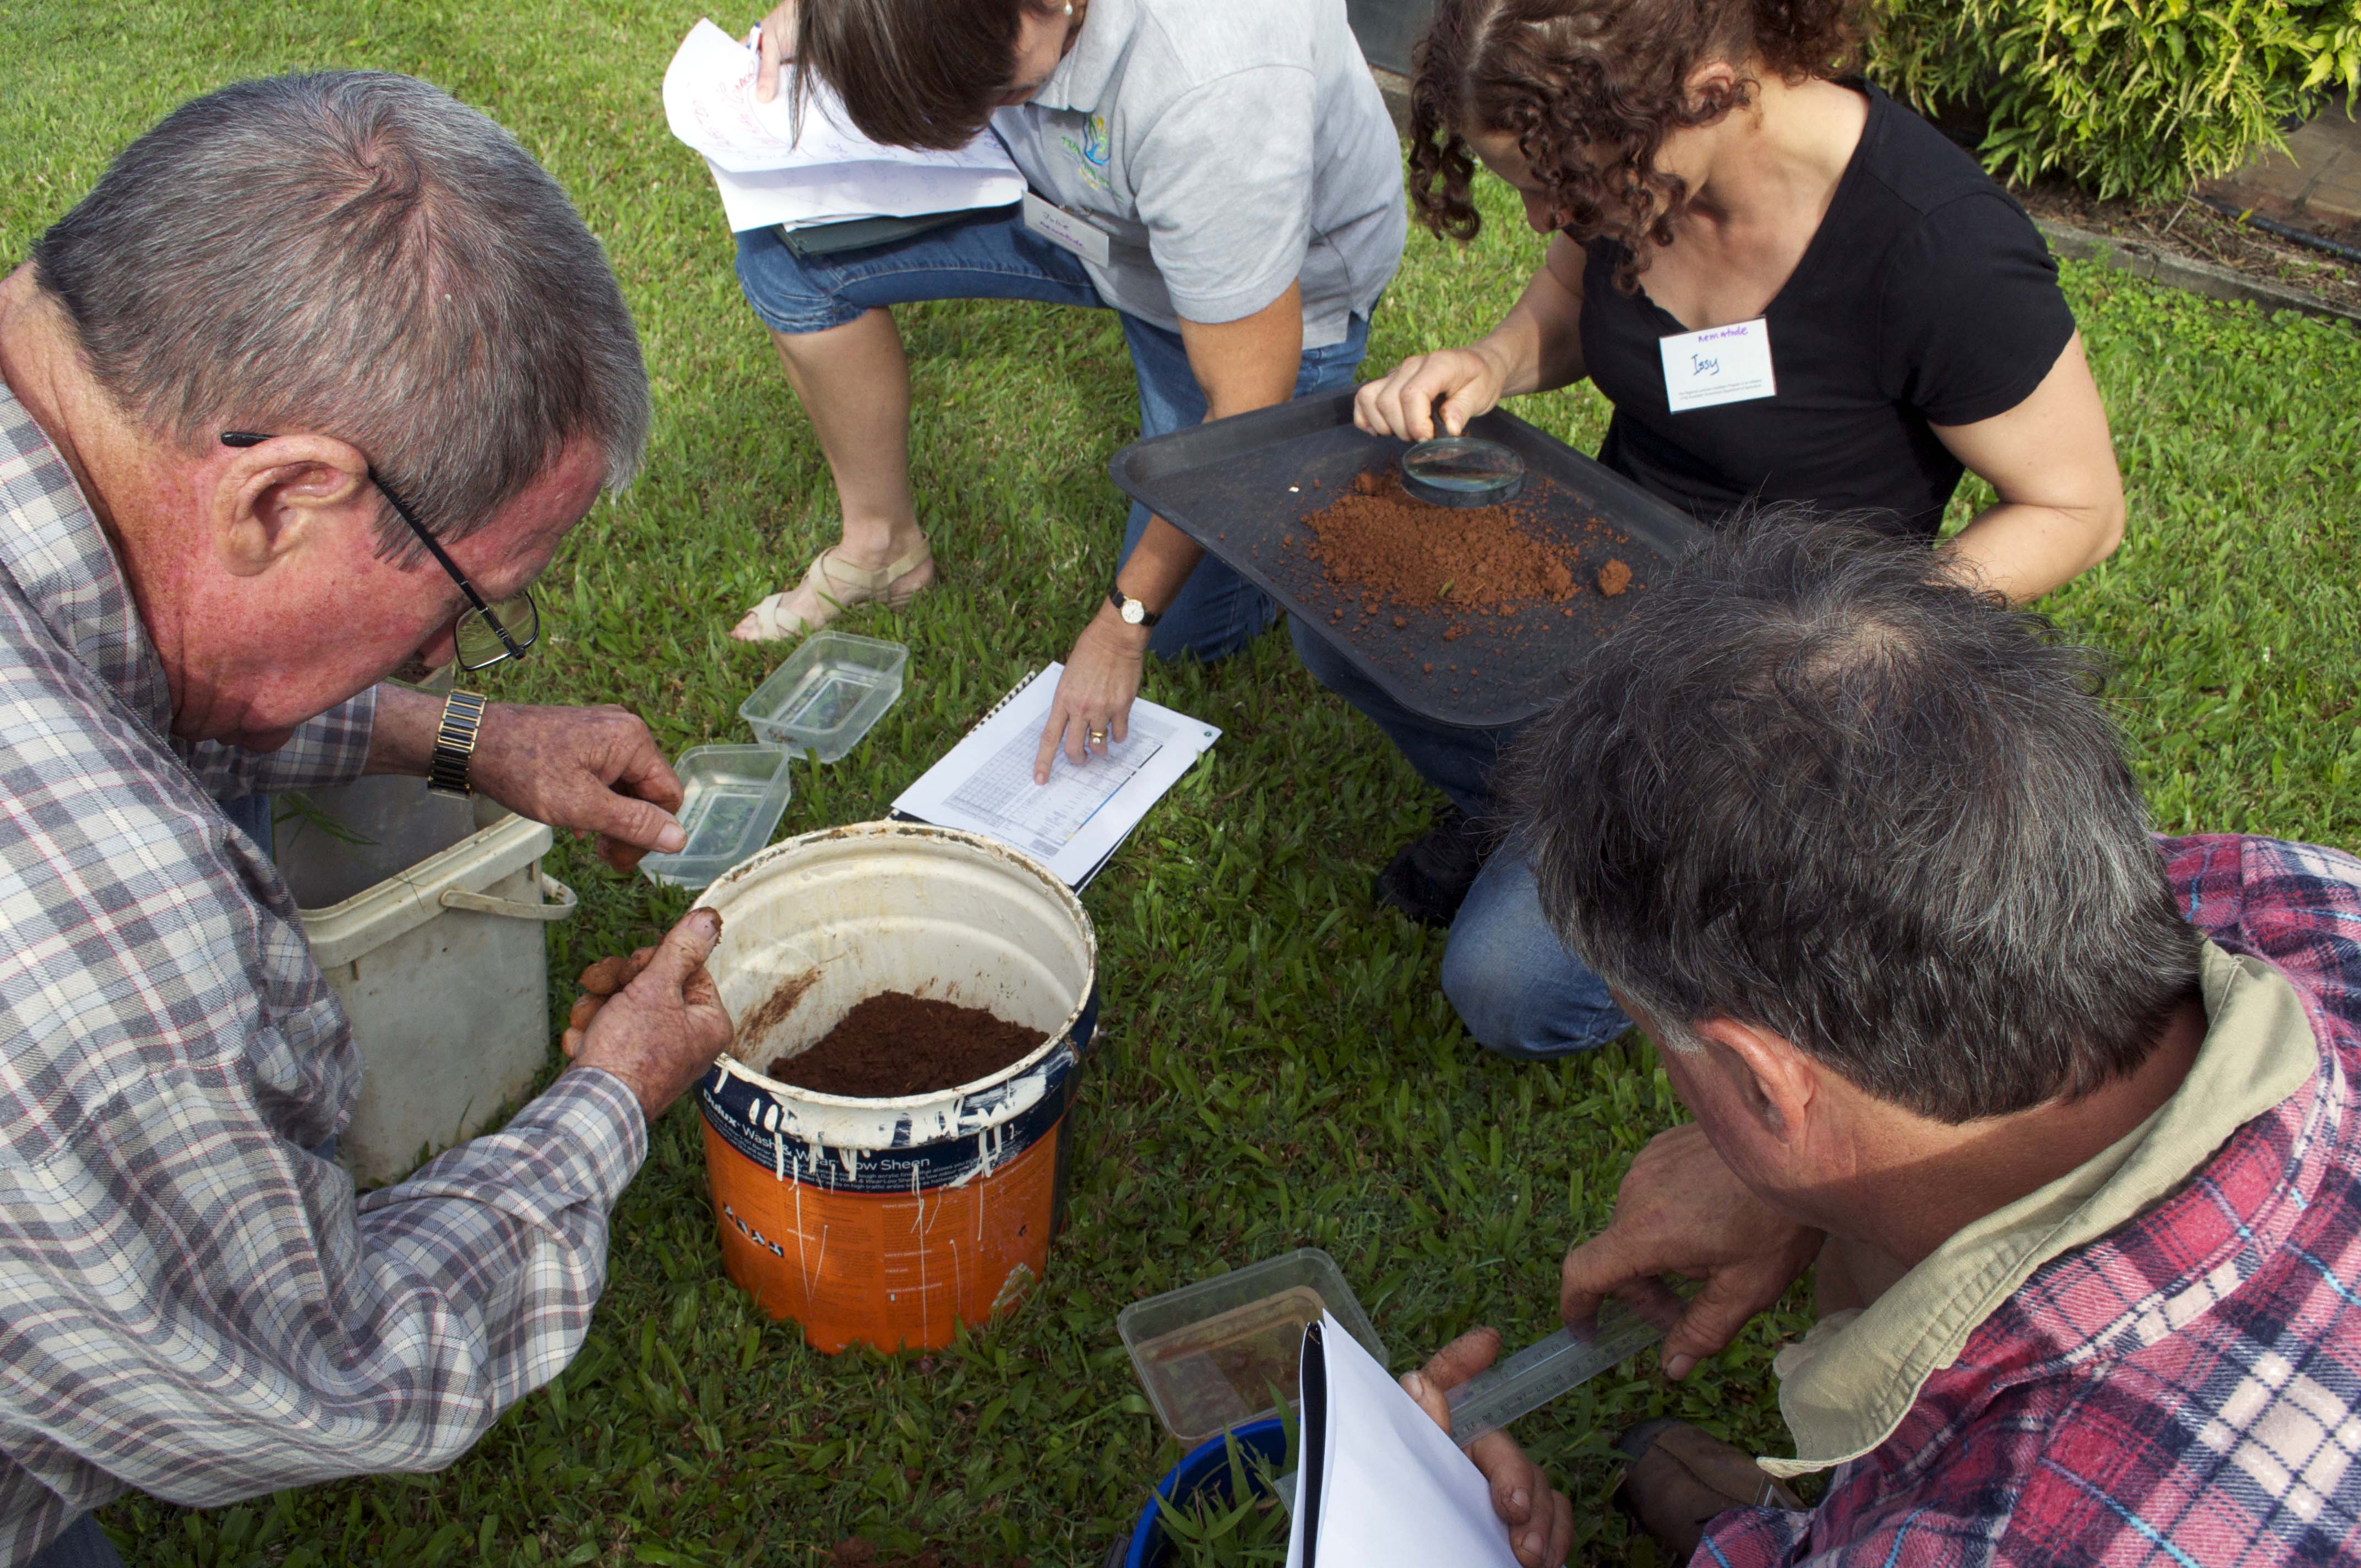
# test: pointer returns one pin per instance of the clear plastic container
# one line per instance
(732, 798)
(1223, 1352)
(827, 693)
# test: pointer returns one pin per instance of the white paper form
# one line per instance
(768, 174)
(1381, 1485)
(1075, 822)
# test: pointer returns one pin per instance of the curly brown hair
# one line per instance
(1590, 89)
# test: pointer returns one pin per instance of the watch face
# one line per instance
(1132, 611)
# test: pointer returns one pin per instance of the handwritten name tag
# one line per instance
(1066, 230)
(1720, 364)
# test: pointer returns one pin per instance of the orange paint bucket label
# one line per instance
(888, 1271)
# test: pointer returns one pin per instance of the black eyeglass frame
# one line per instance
(510, 647)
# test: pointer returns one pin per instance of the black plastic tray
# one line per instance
(1227, 486)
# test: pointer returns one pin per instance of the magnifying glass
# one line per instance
(1462, 471)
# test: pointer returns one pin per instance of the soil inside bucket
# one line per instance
(898, 1044)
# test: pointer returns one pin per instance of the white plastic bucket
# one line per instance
(444, 968)
(891, 1221)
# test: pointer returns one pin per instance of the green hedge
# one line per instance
(2126, 97)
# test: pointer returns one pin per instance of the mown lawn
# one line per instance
(1276, 1066)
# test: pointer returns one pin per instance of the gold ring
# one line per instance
(1098, 736)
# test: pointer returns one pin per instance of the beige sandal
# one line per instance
(829, 587)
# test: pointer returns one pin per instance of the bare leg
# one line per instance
(854, 385)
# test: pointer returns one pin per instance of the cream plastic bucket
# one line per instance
(891, 1221)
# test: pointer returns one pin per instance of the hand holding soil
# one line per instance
(662, 1026)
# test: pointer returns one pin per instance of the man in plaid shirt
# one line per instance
(371, 291)
(2066, 1115)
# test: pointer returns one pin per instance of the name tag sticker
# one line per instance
(1066, 230)
(1720, 364)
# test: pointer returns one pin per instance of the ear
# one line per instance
(1713, 79)
(263, 504)
(1765, 1074)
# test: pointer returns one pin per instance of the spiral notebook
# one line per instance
(1076, 822)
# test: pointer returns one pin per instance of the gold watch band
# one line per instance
(454, 744)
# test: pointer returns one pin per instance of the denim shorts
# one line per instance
(992, 255)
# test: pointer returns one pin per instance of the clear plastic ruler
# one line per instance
(1541, 1372)
(1533, 1376)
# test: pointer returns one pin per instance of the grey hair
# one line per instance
(355, 254)
(1814, 784)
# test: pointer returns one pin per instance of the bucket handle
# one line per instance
(515, 909)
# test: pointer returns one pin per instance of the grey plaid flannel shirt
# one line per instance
(189, 1303)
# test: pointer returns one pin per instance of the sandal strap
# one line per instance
(844, 579)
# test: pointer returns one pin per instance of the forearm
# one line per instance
(1537, 347)
(1157, 570)
(404, 739)
(2052, 462)
(404, 1329)
(1240, 366)
(2023, 550)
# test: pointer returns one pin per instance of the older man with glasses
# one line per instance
(310, 386)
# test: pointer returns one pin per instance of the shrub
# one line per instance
(2126, 97)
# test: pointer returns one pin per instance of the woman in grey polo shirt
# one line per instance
(1232, 189)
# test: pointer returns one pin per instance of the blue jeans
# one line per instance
(252, 812)
(1516, 988)
(994, 256)
(1514, 985)
(81, 1544)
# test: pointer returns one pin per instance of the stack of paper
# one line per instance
(1380, 1485)
(772, 172)
(985, 785)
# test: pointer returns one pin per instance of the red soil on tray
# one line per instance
(1382, 543)
(898, 1044)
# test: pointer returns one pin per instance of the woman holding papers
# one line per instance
(1221, 173)
(1790, 288)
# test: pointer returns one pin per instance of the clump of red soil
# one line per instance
(899, 1044)
(1380, 542)
(1613, 578)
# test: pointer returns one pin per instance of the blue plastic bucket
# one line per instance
(1205, 1471)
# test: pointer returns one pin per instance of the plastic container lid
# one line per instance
(827, 694)
(1223, 1352)
(732, 797)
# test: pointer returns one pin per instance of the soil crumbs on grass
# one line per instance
(899, 1044)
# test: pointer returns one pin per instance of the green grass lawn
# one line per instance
(1276, 1066)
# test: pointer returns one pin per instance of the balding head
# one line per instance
(357, 255)
(1815, 784)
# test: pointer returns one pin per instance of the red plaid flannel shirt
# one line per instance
(2187, 1390)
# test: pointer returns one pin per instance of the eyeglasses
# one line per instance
(485, 632)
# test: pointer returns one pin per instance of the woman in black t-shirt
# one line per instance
(1790, 286)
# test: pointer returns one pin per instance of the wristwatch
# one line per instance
(1134, 613)
(454, 744)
